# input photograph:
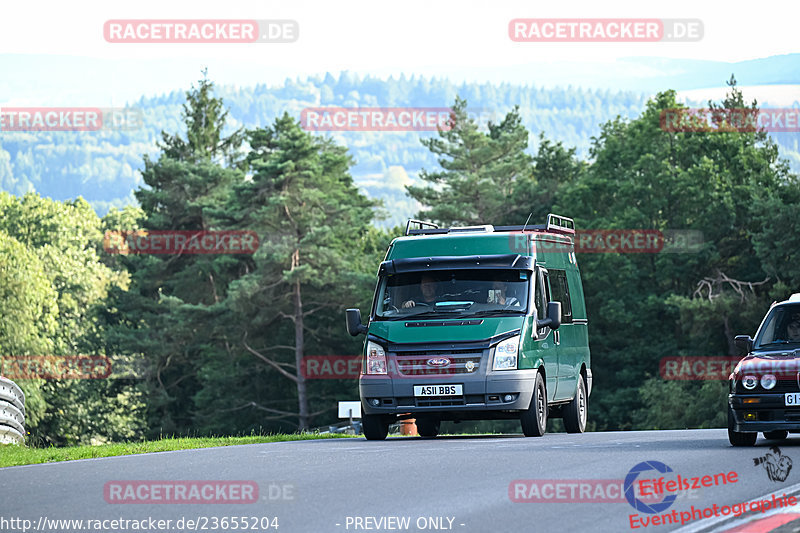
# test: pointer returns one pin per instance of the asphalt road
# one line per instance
(456, 484)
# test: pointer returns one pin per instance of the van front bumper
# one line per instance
(480, 393)
(770, 411)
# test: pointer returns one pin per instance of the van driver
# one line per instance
(427, 287)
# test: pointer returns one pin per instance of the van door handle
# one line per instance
(557, 337)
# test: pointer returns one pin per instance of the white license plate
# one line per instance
(792, 398)
(438, 390)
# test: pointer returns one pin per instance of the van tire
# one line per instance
(778, 434)
(375, 427)
(534, 418)
(575, 412)
(428, 427)
(737, 438)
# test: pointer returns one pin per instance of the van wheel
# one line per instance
(779, 434)
(575, 412)
(376, 427)
(737, 438)
(534, 418)
(428, 427)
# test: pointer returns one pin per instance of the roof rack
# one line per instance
(421, 225)
(555, 224)
(559, 223)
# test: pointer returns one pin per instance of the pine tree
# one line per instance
(308, 214)
(479, 170)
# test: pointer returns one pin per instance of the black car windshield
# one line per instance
(452, 294)
(782, 326)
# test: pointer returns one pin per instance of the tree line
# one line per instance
(213, 344)
(103, 166)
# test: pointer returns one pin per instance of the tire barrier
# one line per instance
(12, 412)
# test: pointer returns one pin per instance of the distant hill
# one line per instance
(102, 166)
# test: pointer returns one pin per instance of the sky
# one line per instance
(55, 52)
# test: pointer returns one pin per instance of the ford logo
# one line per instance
(439, 361)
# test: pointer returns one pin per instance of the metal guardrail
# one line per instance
(12, 412)
(356, 428)
(343, 427)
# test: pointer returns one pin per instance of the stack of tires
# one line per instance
(12, 413)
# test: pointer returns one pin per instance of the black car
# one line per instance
(765, 385)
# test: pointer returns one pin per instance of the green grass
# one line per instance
(12, 455)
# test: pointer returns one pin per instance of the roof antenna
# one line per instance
(526, 222)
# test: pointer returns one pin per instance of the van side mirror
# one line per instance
(553, 319)
(354, 325)
(744, 342)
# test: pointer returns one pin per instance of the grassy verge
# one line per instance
(11, 455)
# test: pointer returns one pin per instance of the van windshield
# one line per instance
(452, 294)
(781, 327)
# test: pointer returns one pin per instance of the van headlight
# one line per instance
(506, 354)
(376, 359)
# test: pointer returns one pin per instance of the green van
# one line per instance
(476, 323)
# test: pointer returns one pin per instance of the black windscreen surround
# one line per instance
(452, 293)
(782, 326)
(459, 262)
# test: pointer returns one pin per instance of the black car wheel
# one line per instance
(534, 418)
(779, 434)
(737, 438)
(575, 412)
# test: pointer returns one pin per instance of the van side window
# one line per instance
(541, 297)
(560, 290)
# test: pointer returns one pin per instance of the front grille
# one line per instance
(785, 385)
(440, 403)
(461, 362)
